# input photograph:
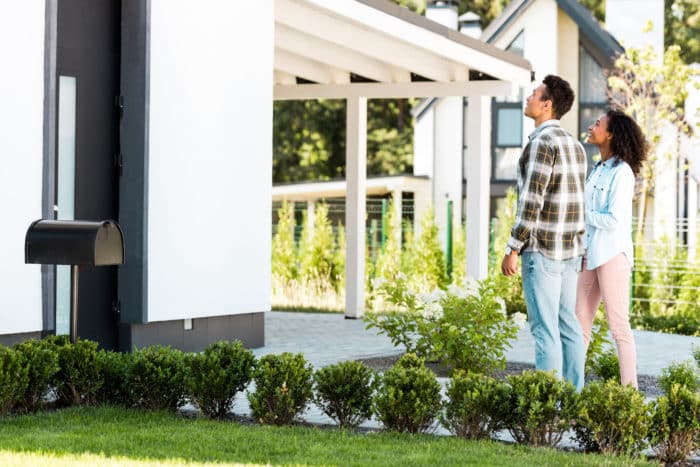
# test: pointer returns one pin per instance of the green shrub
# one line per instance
(675, 425)
(157, 377)
(424, 260)
(216, 375)
(474, 404)
(684, 374)
(344, 392)
(283, 248)
(611, 418)
(78, 379)
(539, 408)
(283, 387)
(606, 366)
(696, 355)
(13, 379)
(41, 364)
(408, 396)
(115, 389)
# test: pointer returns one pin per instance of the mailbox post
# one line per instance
(74, 243)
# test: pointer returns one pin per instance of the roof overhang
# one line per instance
(373, 48)
(338, 188)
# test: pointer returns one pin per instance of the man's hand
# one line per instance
(509, 266)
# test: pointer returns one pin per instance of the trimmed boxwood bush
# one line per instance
(344, 392)
(216, 375)
(408, 398)
(539, 408)
(675, 425)
(13, 379)
(78, 379)
(157, 377)
(606, 366)
(115, 389)
(283, 387)
(612, 418)
(41, 364)
(684, 374)
(474, 404)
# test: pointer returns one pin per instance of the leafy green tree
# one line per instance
(427, 260)
(317, 252)
(388, 261)
(339, 256)
(682, 27)
(283, 248)
(459, 253)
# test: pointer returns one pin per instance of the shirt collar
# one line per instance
(608, 163)
(545, 124)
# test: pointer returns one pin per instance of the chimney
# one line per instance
(470, 24)
(443, 12)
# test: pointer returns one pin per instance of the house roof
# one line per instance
(605, 43)
(374, 48)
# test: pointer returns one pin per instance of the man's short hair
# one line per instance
(560, 93)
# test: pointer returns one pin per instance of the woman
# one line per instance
(608, 261)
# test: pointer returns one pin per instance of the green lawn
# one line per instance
(111, 436)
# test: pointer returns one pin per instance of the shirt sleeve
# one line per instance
(618, 204)
(538, 171)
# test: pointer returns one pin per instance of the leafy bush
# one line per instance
(408, 397)
(675, 424)
(283, 249)
(474, 404)
(317, 246)
(283, 387)
(424, 262)
(344, 392)
(78, 379)
(696, 355)
(217, 375)
(611, 418)
(684, 374)
(606, 366)
(41, 364)
(115, 389)
(539, 408)
(13, 379)
(157, 377)
(463, 327)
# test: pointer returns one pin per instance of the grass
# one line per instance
(109, 436)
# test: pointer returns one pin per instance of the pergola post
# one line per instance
(355, 205)
(478, 186)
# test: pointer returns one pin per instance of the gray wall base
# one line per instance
(249, 328)
(9, 340)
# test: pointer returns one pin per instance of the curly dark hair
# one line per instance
(560, 93)
(628, 142)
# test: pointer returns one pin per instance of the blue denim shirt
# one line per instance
(609, 191)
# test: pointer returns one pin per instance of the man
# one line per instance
(548, 231)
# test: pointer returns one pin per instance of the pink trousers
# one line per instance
(611, 282)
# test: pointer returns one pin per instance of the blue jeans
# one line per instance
(550, 295)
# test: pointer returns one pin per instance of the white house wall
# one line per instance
(423, 144)
(210, 158)
(21, 150)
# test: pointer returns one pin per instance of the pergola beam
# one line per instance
(311, 70)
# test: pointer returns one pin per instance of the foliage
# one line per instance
(597, 361)
(344, 392)
(317, 247)
(473, 405)
(606, 366)
(675, 424)
(539, 408)
(612, 418)
(682, 27)
(408, 396)
(283, 247)
(283, 387)
(215, 376)
(41, 364)
(339, 257)
(115, 389)
(684, 374)
(466, 328)
(78, 379)
(157, 377)
(696, 355)
(13, 379)
(425, 259)
(459, 254)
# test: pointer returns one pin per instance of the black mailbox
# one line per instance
(74, 242)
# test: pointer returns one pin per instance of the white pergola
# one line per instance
(362, 49)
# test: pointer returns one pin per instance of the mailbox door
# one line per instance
(88, 54)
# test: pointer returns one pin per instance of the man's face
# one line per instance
(535, 106)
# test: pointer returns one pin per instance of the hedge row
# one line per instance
(535, 407)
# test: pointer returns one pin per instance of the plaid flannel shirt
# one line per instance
(551, 182)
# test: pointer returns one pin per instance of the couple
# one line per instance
(575, 234)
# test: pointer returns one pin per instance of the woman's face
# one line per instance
(598, 132)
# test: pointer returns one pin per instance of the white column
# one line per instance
(478, 186)
(397, 199)
(355, 207)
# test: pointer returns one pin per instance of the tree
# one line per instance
(283, 248)
(682, 21)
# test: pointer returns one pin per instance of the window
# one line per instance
(507, 126)
(593, 100)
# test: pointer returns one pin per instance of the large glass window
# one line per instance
(593, 97)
